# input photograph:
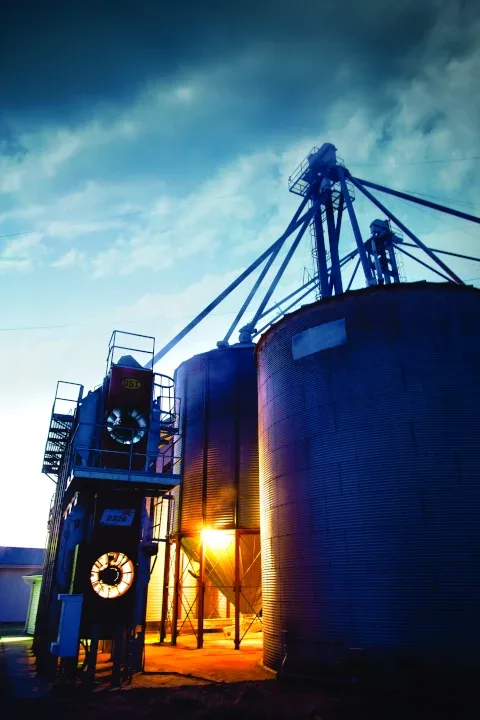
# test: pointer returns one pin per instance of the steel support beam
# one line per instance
(118, 656)
(357, 265)
(393, 262)
(445, 252)
(339, 216)
(166, 585)
(408, 232)
(177, 589)
(262, 275)
(92, 657)
(276, 306)
(308, 284)
(278, 276)
(356, 230)
(348, 257)
(321, 251)
(237, 590)
(304, 219)
(201, 596)
(420, 262)
(419, 201)
(333, 239)
(343, 262)
(281, 314)
(376, 260)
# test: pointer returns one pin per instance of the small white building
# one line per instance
(16, 593)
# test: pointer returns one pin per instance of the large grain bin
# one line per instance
(369, 427)
(218, 514)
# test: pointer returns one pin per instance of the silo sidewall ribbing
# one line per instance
(220, 486)
(369, 419)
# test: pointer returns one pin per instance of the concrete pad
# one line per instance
(217, 662)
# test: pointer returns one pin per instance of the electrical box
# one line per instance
(69, 627)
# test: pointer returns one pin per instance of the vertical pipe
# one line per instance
(237, 589)
(135, 641)
(338, 227)
(118, 652)
(321, 253)
(333, 242)
(166, 584)
(92, 656)
(201, 596)
(176, 591)
(356, 230)
(376, 260)
(393, 262)
(130, 456)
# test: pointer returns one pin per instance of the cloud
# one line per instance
(150, 184)
(72, 258)
(222, 215)
(98, 52)
(154, 153)
(166, 313)
(20, 254)
(264, 99)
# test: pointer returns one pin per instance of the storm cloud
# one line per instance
(145, 148)
(167, 91)
(279, 59)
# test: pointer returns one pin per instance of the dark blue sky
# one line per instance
(63, 59)
(145, 149)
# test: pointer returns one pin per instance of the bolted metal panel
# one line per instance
(174, 511)
(221, 452)
(218, 395)
(370, 480)
(191, 389)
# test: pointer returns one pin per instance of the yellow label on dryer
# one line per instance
(131, 384)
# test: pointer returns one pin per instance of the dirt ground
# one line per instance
(219, 683)
(262, 700)
(256, 700)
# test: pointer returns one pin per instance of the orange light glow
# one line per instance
(217, 540)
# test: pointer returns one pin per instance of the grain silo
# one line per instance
(369, 419)
(215, 580)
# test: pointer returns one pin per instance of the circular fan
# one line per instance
(126, 427)
(112, 575)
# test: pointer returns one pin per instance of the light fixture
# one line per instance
(216, 539)
(126, 427)
(112, 575)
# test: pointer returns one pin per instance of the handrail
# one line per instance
(91, 453)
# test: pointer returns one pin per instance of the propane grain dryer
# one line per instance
(112, 454)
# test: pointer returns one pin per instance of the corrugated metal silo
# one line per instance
(218, 405)
(369, 426)
(217, 524)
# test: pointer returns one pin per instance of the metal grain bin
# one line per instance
(218, 400)
(216, 580)
(369, 427)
